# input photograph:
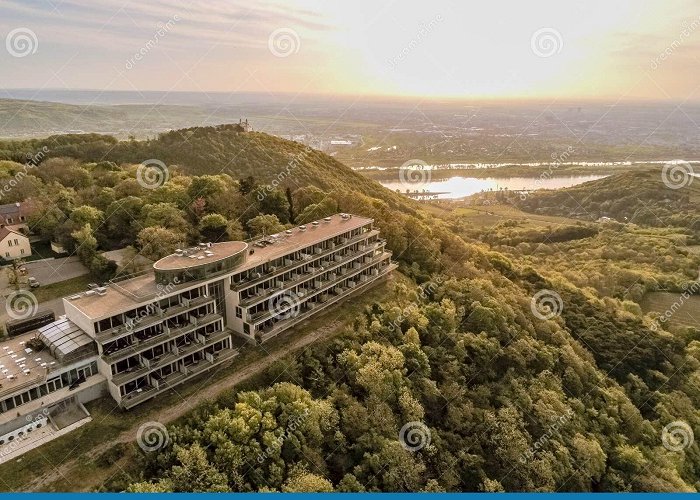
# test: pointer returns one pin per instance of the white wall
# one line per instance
(15, 246)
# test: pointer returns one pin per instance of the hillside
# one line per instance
(222, 149)
(502, 364)
(641, 197)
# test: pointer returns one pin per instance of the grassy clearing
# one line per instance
(62, 288)
(81, 469)
(683, 311)
(492, 215)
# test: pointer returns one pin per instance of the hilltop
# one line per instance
(223, 149)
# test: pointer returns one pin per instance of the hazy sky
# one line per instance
(550, 48)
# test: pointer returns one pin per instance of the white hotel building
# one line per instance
(142, 336)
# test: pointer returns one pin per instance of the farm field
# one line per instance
(687, 311)
(493, 214)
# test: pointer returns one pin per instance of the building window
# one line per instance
(7, 254)
(16, 242)
(239, 312)
(21, 250)
(9, 220)
(9, 243)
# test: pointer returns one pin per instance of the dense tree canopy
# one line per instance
(456, 384)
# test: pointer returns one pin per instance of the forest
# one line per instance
(461, 383)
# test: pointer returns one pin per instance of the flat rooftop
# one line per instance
(196, 256)
(21, 366)
(295, 239)
(126, 294)
(119, 296)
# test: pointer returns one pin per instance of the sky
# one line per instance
(607, 49)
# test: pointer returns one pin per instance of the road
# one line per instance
(54, 270)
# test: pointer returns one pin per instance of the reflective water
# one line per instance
(458, 187)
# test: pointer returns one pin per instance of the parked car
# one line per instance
(33, 283)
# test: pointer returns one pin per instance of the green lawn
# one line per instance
(62, 288)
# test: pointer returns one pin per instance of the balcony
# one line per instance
(256, 299)
(130, 374)
(282, 325)
(170, 357)
(148, 366)
(138, 396)
(168, 334)
(158, 316)
(266, 314)
(238, 287)
(176, 378)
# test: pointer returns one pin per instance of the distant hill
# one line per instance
(640, 197)
(26, 119)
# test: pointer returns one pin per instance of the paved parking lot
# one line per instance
(55, 270)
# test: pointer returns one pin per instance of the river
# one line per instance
(459, 187)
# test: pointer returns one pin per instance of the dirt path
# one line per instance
(169, 414)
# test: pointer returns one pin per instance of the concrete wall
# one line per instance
(80, 319)
(82, 394)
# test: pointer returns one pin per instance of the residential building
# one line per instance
(13, 244)
(144, 335)
(15, 216)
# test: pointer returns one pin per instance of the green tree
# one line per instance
(86, 215)
(165, 215)
(85, 244)
(212, 227)
(157, 242)
(264, 224)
